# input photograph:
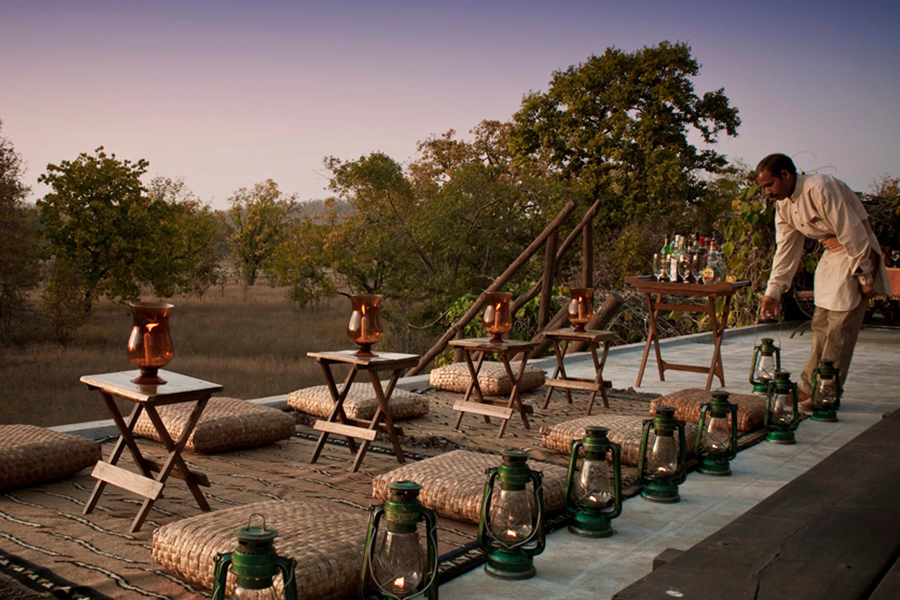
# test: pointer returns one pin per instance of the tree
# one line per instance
(18, 250)
(187, 255)
(618, 125)
(98, 223)
(257, 223)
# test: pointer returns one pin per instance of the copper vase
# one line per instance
(497, 318)
(150, 343)
(581, 307)
(365, 327)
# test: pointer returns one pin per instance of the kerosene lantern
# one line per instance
(782, 414)
(766, 361)
(254, 564)
(662, 465)
(594, 492)
(717, 435)
(511, 528)
(395, 564)
(826, 391)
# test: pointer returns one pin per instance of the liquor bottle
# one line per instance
(677, 253)
(715, 265)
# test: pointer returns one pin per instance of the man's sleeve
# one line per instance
(788, 251)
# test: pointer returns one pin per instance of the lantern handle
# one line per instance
(375, 514)
(616, 450)
(220, 578)
(286, 566)
(250, 520)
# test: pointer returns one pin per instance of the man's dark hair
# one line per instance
(776, 163)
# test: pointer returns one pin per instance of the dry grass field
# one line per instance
(254, 344)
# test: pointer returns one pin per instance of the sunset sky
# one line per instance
(226, 94)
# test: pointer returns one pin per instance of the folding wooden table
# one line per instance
(178, 389)
(488, 407)
(561, 379)
(654, 291)
(339, 423)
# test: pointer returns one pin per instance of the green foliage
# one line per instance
(186, 255)
(18, 249)
(747, 237)
(99, 223)
(106, 235)
(258, 222)
(618, 125)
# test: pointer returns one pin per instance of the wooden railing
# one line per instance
(554, 252)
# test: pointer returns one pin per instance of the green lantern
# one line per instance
(826, 391)
(717, 435)
(782, 414)
(394, 563)
(594, 492)
(766, 361)
(511, 528)
(662, 465)
(254, 564)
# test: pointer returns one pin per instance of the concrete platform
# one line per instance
(573, 568)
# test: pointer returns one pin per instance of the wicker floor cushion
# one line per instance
(751, 407)
(492, 378)
(624, 430)
(453, 483)
(361, 402)
(328, 546)
(31, 454)
(226, 424)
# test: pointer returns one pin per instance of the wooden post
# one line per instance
(519, 302)
(498, 283)
(547, 279)
(587, 264)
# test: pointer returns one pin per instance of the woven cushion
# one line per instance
(226, 424)
(31, 454)
(751, 407)
(492, 378)
(624, 430)
(360, 403)
(453, 483)
(326, 543)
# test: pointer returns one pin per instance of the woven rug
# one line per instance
(43, 524)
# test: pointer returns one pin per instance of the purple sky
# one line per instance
(226, 94)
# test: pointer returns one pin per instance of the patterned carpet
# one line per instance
(43, 525)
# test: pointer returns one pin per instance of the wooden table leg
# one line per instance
(515, 400)
(598, 378)
(382, 413)
(652, 339)
(474, 369)
(338, 411)
(175, 462)
(559, 362)
(126, 439)
(718, 332)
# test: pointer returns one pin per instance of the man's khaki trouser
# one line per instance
(834, 337)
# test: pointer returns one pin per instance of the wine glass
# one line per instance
(684, 266)
(660, 265)
(698, 263)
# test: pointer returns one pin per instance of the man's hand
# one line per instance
(832, 244)
(868, 291)
(769, 308)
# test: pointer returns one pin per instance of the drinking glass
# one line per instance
(684, 266)
(660, 265)
(698, 263)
